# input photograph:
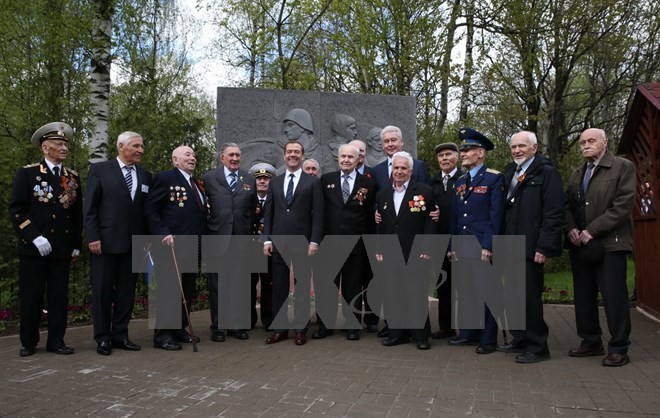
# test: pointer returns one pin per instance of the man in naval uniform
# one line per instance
(46, 212)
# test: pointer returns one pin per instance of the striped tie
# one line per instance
(345, 188)
(129, 179)
(232, 183)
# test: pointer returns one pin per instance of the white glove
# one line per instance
(42, 245)
(75, 253)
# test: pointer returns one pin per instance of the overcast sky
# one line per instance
(209, 69)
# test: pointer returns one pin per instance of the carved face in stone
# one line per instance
(292, 130)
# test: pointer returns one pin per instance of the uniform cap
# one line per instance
(262, 170)
(471, 138)
(53, 130)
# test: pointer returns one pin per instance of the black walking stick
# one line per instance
(185, 304)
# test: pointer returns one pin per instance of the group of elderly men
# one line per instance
(294, 212)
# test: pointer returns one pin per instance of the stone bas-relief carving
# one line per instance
(263, 121)
(344, 130)
(374, 152)
(296, 126)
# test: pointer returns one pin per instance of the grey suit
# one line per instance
(230, 214)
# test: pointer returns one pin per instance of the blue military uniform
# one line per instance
(478, 211)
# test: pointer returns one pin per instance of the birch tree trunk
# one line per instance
(100, 80)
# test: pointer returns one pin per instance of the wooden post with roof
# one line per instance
(640, 143)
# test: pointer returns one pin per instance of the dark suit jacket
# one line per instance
(420, 174)
(110, 214)
(369, 173)
(303, 217)
(407, 223)
(444, 198)
(58, 218)
(166, 210)
(356, 216)
(536, 207)
(230, 214)
(479, 210)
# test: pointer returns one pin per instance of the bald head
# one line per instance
(593, 144)
(362, 150)
(183, 158)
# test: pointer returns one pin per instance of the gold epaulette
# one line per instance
(31, 165)
(491, 171)
(74, 172)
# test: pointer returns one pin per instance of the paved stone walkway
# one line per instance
(331, 377)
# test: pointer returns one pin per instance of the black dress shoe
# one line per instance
(168, 345)
(185, 338)
(26, 352)
(392, 341)
(615, 360)
(423, 345)
(460, 341)
(442, 334)
(352, 335)
(371, 328)
(104, 348)
(485, 349)
(63, 349)
(383, 333)
(584, 351)
(321, 333)
(239, 334)
(510, 348)
(126, 344)
(218, 336)
(277, 337)
(528, 357)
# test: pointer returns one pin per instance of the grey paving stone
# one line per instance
(332, 377)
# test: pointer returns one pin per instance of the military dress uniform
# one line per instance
(479, 211)
(266, 279)
(46, 205)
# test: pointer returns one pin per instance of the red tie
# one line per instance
(195, 192)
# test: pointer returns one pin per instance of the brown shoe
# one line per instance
(616, 360)
(277, 337)
(584, 351)
(301, 338)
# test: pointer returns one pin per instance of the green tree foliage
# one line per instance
(45, 63)
(157, 95)
(42, 79)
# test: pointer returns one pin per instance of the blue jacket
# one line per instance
(479, 210)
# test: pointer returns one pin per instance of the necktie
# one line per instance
(56, 171)
(445, 180)
(468, 178)
(193, 185)
(289, 190)
(129, 179)
(232, 183)
(345, 188)
(389, 167)
(262, 202)
(587, 177)
(514, 181)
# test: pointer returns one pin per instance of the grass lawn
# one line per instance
(559, 285)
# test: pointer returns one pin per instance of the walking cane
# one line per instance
(185, 304)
